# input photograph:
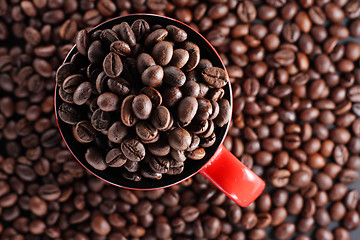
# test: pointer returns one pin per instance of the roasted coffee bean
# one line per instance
(142, 106)
(152, 76)
(204, 109)
(63, 72)
(94, 157)
(149, 173)
(162, 53)
(176, 34)
(84, 132)
(246, 11)
(82, 93)
(153, 94)
(126, 114)
(115, 158)
(112, 65)
(285, 230)
(160, 148)
(132, 166)
(174, 77)
(178, 155)
(131, 176)
(96, 52)
(146, 131)
(215, 77)
(194, 55)
(187, 109)
(72, 82)
(179, 58)
(133, 150)
(159, 164)
(179, 139)
(126, 33)
(117, 132)
(108, 102)
(120, 47)
(161, 118)
(196, 154)
(118, 86)
(140, 28)
(108, 36)
(280, 178)
(68, 113)
(224, 113)
(144, 61)
(156, 36)
(100, 120)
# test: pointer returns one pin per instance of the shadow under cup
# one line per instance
(113, 175)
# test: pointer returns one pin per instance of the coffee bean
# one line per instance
(120, 47)
(351, 220)
(194, 55)
(133, 150)
(160, 118)
(84, 132)
(118, 86)
(159, 164)
(144, 61)
(72, 82)
(100, 120)
(187, 109)
(215, 77)
(176, 34)
(152, 76)
(196, 154)
(280, 178)
(142, 106)
(49, 192)
(153, 94)
(94, 157)
(82, 93)
(108, 36)
(179, 139)
(140, 28)
(126, 33)
(348, 176)
(68, 114)
(127, 116)
(96, 52)
(117, 132)
(112, 65)
(179, 58)
(115, 158)
(174, 77)
(224, 113)
(162, 53)
(156, 36)
(284, 57)
(246, 11)
(149, 173)
(146, 131)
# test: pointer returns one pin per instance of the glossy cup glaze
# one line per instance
(219, 165)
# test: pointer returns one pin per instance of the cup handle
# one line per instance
(232, 177)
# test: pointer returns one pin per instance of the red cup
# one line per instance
(222, 168)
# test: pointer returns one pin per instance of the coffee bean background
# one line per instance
(295, 73)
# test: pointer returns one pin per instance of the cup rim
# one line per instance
(73, 50)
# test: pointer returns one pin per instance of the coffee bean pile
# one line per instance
(295, 74)
(147, 80)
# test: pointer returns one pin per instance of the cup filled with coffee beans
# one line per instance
(144, 102)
